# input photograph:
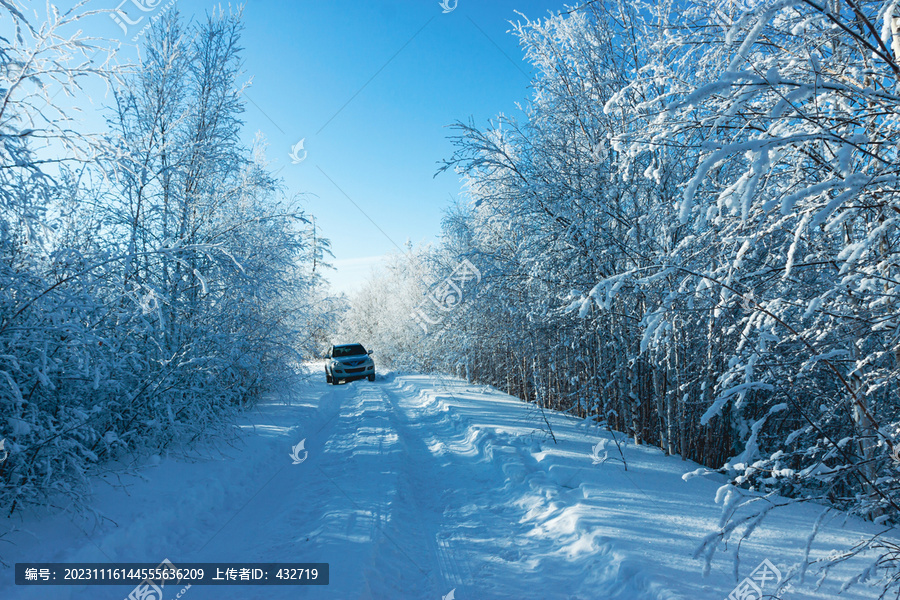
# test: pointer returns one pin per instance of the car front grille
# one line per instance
(359, 370)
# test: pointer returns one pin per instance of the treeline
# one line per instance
(153, 279)
(690, 235)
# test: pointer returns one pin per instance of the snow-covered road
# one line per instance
(413, 487)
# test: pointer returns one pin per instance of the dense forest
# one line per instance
(154, 279)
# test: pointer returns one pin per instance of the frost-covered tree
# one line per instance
(152, 282)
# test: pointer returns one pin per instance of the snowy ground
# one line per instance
(416, 486)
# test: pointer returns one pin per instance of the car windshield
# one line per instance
(351, 350)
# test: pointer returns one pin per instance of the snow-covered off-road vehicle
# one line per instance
(348, 362)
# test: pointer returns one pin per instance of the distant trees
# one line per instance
(152, 281)
(692, 236)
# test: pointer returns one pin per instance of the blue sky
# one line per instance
(371, 87)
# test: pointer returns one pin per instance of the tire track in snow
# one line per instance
(371, 533)
(454, 490)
